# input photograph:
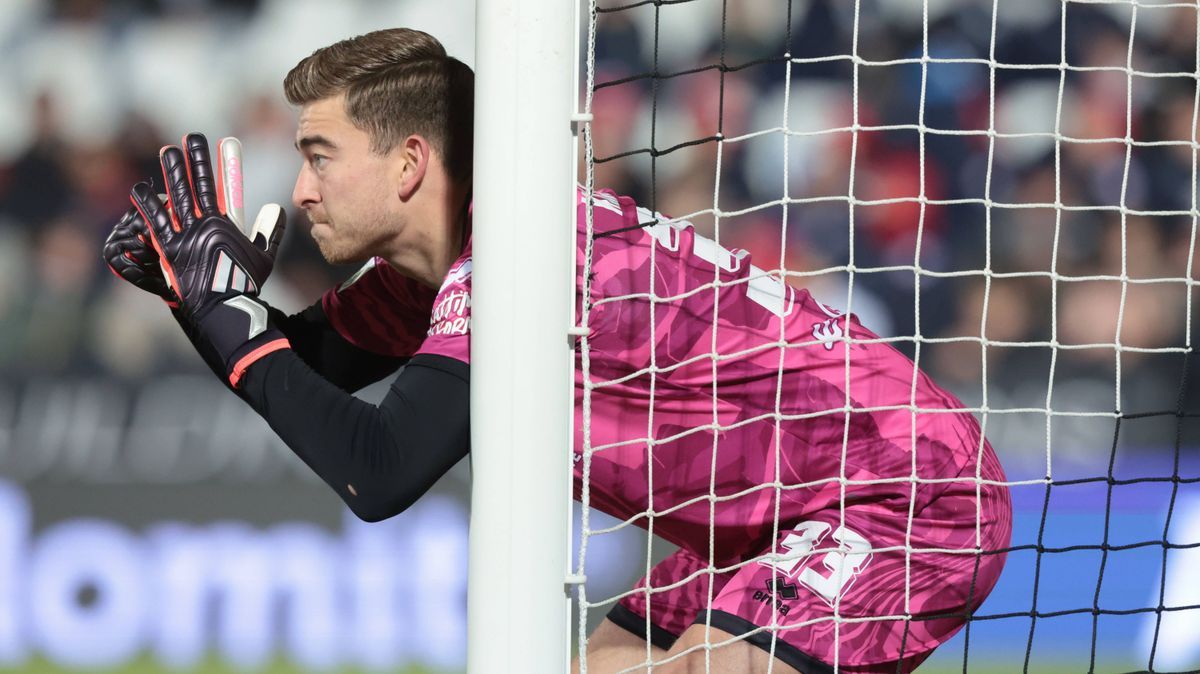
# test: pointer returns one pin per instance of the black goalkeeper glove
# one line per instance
(130, 255)
(213, 269)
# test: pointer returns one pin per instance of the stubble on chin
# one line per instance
(328, 252)
(352, 244)
(339, 254)
(333, 253)
(326, 244)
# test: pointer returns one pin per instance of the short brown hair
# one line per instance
(397, 82)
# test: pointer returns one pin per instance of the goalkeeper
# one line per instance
(852, 563)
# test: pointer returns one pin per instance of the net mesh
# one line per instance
(1004, 192)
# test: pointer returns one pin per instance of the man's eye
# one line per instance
(318, 160)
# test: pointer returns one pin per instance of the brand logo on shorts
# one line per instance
(777, 590)
(782, 588)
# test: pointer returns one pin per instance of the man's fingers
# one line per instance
(153, 212)
(200, 170)
(229, 181)
(159, 223)
(128, 223)
(179, 188)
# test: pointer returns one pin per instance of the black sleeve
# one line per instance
(315, 340)
(378, 459)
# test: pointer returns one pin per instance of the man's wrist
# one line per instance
(273, 341)
(236, 332)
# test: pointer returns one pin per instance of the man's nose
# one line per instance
(305, 192)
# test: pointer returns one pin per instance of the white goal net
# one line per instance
(1004, 196)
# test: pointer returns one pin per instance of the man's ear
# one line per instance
(414, 155)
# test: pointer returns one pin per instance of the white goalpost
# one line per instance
(521, 367)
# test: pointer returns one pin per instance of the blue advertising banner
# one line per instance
(1108, 594)
(102, 591)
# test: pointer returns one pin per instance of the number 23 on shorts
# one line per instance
(843, 564)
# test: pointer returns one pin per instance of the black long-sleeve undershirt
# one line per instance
(319, 344)
(378, 459)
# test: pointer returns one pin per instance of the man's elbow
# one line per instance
(379, 509)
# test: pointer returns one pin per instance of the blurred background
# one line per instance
(150, 522)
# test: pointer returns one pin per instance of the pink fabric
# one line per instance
(380, 310)
(806, 416)
(841, 416)
(450, 324)
(941, 586)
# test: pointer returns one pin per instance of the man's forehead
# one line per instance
(321, 118)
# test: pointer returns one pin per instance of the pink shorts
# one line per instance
(844, 592)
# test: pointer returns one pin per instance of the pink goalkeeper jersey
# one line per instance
(778, 410)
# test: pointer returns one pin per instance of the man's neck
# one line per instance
(432, 239)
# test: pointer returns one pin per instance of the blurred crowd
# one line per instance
(919, 199)
(96, 87)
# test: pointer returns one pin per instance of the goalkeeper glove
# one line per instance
(130, 255)
(208, 262)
